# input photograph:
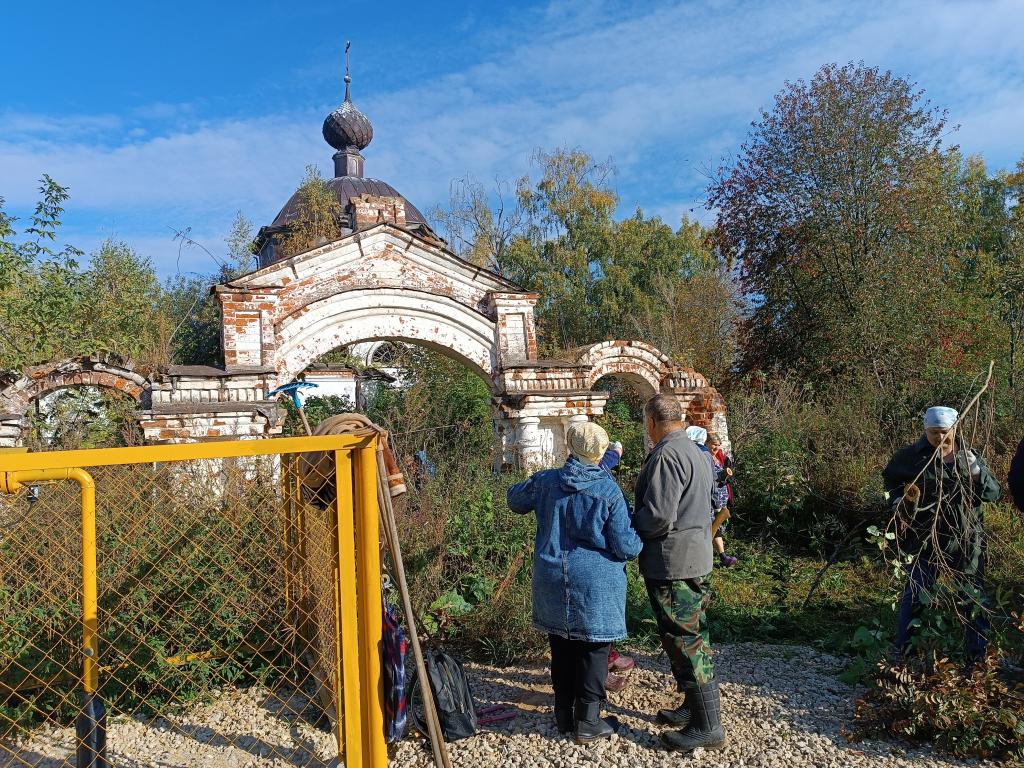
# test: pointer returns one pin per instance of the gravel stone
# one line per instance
(783, 707)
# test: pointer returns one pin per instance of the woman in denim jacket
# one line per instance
(584, 538)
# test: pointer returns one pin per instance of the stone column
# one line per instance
(528, 443)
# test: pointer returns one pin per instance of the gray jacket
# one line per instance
(673, 510)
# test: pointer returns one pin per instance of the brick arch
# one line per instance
(102, 371)
(106, 372)
(647, 367)
(386, 314)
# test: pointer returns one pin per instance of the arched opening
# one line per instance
(623, 420)
(393, 315)
(72, 417)
(439, 415)
(385, 355)
(430, 400)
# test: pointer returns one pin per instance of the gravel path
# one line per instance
(783, 707)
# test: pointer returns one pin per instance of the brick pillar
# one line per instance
(517, 332)
(247, 327)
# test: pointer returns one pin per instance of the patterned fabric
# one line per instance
(680, 609)
(395, 704)
(587, 441)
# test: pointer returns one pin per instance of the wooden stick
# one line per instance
(723, 515)
(437, 743)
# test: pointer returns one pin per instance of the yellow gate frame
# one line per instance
(360, 685)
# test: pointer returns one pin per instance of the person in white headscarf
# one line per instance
(720, 492)
(937, 486)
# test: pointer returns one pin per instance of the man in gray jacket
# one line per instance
(672, 517)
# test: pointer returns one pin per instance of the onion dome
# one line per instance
(348, 131)
(346, 128)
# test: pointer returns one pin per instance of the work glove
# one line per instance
(971, 460)
(617, 447)
(911, 494)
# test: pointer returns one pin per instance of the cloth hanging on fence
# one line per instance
(318, 468)
(395, 703)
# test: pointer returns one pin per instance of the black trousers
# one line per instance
(578, 671)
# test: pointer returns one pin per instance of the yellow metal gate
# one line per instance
(191, 605)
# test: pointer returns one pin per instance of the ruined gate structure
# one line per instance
(388, 277)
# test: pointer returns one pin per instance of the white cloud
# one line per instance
(666, 89)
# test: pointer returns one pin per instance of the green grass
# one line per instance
(761, 599)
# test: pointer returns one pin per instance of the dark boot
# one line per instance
(590, 726)
(705, 728)
(679, 717)
(564, 721)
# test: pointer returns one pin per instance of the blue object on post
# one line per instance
(292, 390)
(91, 730)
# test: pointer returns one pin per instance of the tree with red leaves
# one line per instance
(840, 214)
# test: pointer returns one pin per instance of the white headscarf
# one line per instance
(699, 435)
(940, 417)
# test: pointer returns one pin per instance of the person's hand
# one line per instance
(911, 493)
(617, 447)
(971, 460)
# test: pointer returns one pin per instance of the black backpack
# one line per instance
(452, 696)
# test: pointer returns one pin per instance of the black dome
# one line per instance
(348, 128)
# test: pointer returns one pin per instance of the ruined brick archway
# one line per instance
(102, 371)
(644, 366)
(386, 283)
(384, 275)
(386, 314)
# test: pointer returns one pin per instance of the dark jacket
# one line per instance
(1016, 478)
(673, 510)
(583, 542)
(958, 531)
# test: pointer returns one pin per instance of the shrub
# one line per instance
(980, 714)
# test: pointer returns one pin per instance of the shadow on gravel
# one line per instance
(787, 701)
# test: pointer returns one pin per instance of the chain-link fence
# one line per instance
(191, 605)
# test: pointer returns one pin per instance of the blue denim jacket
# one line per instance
(584, 538)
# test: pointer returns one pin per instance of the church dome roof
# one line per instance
(348, 131)
(344, 189)
(346, 127)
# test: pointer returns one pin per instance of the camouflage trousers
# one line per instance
(679, 608)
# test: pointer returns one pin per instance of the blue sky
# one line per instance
(175, 115)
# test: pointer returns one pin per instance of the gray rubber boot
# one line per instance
(679, 717)
(705, 728)
(590, 726)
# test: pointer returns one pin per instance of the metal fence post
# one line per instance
(91, 723)
(350, 713)
(371, 620)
